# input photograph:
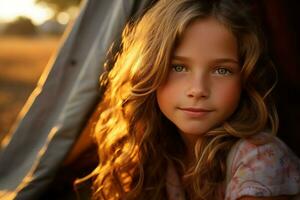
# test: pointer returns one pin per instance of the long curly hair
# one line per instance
(136, 141)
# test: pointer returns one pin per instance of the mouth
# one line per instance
(195, 112)
(192, 109)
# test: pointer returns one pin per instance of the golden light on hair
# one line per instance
(135, 141)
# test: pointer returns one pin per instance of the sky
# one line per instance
(11, 9)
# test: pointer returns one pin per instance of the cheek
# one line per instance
(167, 91)
(162, 100)
(229, 95)
(167, 96)
(162, 95)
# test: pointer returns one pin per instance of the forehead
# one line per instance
(207, 37)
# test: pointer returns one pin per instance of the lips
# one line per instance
(195, 109)
(195, 112)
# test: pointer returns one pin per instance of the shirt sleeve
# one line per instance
(265, 170)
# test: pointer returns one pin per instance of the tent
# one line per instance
(58, 108)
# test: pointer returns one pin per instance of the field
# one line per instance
(22, 61)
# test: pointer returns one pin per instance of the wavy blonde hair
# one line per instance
(136, 142)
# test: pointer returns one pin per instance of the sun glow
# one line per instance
(11, 9)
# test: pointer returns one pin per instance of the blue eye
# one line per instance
(223, 71)
(178, 68)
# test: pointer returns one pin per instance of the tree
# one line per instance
(59, 5)
(21, 26)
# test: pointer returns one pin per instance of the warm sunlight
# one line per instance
(11, 9)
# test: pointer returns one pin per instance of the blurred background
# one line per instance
(30, 32)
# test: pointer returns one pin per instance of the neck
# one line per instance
(190, 142)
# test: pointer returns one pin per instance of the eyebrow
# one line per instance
(217, 60)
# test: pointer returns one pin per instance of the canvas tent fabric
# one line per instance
(62, 101)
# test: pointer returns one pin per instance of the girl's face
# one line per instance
(204, 83)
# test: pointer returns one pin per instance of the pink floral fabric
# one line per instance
(262, 166)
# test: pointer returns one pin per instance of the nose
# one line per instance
(198, 87)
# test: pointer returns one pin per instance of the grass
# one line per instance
(22, 61)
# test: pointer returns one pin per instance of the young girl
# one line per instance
(187, 111)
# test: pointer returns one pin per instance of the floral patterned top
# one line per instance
(261, 166)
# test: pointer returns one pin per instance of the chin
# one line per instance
(193, 131)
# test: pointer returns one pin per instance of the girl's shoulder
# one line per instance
(263, 146)
(262, 165)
